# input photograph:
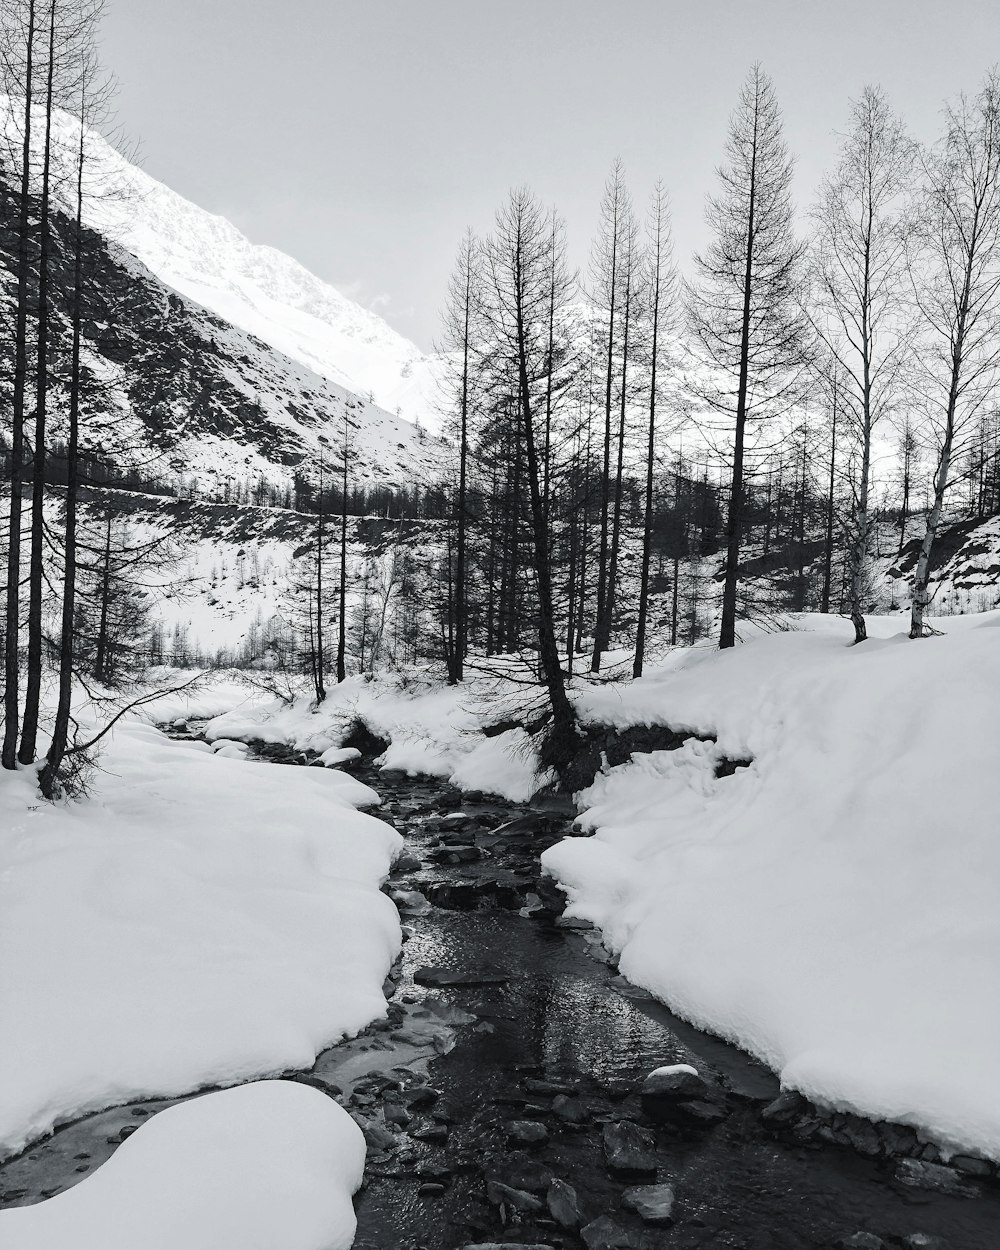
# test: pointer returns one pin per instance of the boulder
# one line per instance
(519, 1199)
(786, 1108)
(653, 1204)
(629, 1149)
(919, 1174)
(527, 1132)
(563, 1204)
(861, 1241)
(570, 1110)
(604, 1234)
(519, 1171)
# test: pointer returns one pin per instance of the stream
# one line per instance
(501, 1095)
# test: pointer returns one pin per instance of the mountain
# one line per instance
(264, 292)
(179, 389)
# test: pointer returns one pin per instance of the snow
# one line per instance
(832, 907)
(432, 730)
(269, 295)
(200, 920)
(267, 1166)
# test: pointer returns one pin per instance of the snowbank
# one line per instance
(269, 1166)
(832, 908)
(432, 729)
(203, 920)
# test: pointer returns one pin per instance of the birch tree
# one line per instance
(858, 269)
(957, 287)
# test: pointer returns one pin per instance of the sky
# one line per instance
(363, 138)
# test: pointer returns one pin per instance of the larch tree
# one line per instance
(858, 309)
(460, 350)
(957, 289)
(743, 310)
(617, 231)
(661, 289)
(519, 282)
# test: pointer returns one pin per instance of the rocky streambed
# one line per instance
(506, 1097)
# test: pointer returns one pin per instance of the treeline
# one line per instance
(879, 326)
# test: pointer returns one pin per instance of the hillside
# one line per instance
(180, 392)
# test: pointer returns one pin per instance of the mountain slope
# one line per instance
(261, 290)
(181, 392)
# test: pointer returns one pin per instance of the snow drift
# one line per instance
(269, 1166)
(204, 921)
(831, 908)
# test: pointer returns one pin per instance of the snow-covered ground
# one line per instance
(266, 1166)
(432, 729)
(200, 920)
(832, 907)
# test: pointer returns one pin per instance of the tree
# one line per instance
(609, 277)
(661, 285)
(19, 34)
(957, 286)
(458, 317)
(519, 274)
(858, 266)
(743, 312)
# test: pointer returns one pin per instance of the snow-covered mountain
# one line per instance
(207, 359)
(261, 290)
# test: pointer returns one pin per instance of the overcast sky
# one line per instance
(363, 137)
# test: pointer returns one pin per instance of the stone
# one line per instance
(604, 1234)
(376, 1137)
(508, 1245)
(570, 1110)
(671, 1084)
(918, 1174)
(861, 1241)
(862, 1136)
(653, 1204)
(786, 1108)
(547, 1089)
(395, 1114)
(971, 1165)
(431, 1189)
(563, 1204)
(435, 1134)
(703, 1114)
(406, 863)
(629, 1149)
(506, 1195)
(898, 1139)
(519, 1171)
(577, 923)
(527, 1132)
(444, 977)
(924, 1241)
(419, 1097)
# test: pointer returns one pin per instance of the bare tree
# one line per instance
(617, 231)
(858, 267)
(463, 295)
(661, 284)
(957, 286)
(743, 312)
(519, 274)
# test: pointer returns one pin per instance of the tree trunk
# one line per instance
(33, 684)
(60, 730)
(12, 625)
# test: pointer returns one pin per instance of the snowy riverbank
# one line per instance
(201, 920)
(832, 907)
